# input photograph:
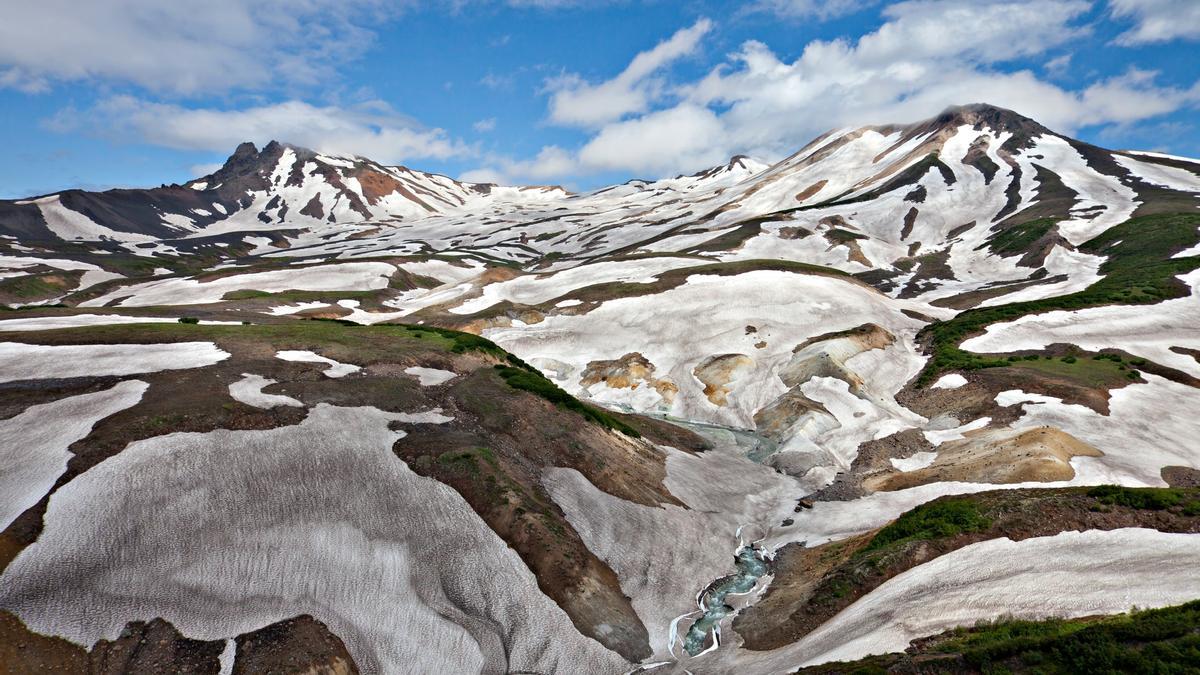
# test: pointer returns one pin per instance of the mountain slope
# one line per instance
(253, 190)
(770, 361)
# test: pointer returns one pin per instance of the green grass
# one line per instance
(1091, 372)
(36, 286)
(467, 460)
(935, 520)
(1155, 641)
(300, 296)
(1139, 270)
(461, 342)
(1154, 499)
(1017, 239)
(1161, 641)
(840, 236)
(528, 379)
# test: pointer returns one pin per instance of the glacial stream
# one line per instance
(750, 568)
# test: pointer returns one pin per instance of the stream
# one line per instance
(750, 568)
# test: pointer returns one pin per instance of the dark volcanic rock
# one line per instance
(298, 645)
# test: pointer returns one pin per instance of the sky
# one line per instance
(582, 93)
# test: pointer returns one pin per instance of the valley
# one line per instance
(755, 419)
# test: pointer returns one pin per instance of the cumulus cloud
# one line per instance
(574, 102)
(181, 48)
(373, 130)
(1157, 20)
(485, 125)
(927, 55)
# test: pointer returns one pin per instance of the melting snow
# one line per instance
(319, 518)
(335, 369)
(76, 320)
(33, 444)
(431, 376)
(248, 390)
(919, 460)
(37, 362)
(361, 276)
(951, 381)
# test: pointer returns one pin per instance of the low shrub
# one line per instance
(1153, 499)
(527, 379)
(936, 520)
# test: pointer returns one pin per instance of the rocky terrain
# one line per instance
(311, 413)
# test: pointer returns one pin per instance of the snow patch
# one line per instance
(335, 369)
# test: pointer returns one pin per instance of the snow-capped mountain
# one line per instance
(279, 186)
(577, 406)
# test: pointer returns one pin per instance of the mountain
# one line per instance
(255, 190)
(759, 417)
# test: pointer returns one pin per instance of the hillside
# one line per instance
(394, 421)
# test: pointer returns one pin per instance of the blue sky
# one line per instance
(582, 93)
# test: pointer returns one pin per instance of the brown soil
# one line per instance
(872, 461)
(155, 647)
(299, 646)
(972, 298)
(23, 651)
(995, 456)
(1181, 476)
(806, 602)
(810, 190)
(524, 433)
(1187, 351)
(628, 372)
(716, 372)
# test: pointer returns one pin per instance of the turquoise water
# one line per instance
(750, 568)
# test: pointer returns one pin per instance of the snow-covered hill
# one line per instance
(890, 315)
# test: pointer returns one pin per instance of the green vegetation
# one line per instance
(1101, 373)
(467, 460)
(839, 236)
(1154, 499)
(460, 342)
(935, 520)
(1018, 238)
(300, 296)
(37, 286)
(1164, 641)
(528, 379)
(1139, 270)
(189, 320)
(1154, 641)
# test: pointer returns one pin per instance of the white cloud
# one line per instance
(485, 125)
(181, 47)
(372, 130)
(803, 9)
(575, 102)
(203, 169)
(551, 164)
(928, 55)
(1058, 66)
(1157, 20)
(661, 142)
